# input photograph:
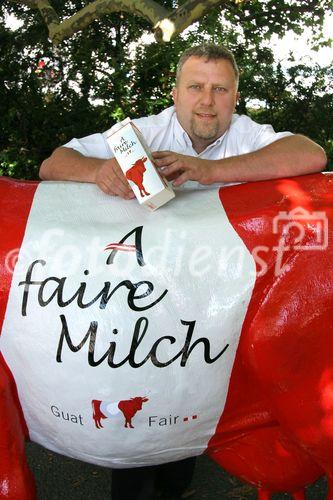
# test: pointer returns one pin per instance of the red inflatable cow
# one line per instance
(275, 430)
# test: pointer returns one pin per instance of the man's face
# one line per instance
(205, 99)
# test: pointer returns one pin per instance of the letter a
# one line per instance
(137, 248)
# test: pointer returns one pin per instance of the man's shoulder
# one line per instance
(248, 135)
(243, 123)
(160, 120)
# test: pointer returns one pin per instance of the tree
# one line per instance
(301, 100)
(168, 23)
(48, 95)
(88, 82)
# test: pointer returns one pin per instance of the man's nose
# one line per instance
(207, 97)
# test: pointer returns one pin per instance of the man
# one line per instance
(198, 140)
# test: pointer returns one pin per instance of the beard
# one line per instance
(206, 131)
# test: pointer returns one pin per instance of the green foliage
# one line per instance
(48, 95)
(43, 107)
(300, 101)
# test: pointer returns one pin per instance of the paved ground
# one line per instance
(60, 478)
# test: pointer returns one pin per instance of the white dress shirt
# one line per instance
(163, 132)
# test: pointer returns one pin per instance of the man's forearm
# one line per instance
(69, 165)
(290, 156)
(66, 164)
(286, 157)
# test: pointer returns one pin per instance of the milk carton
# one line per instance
(132, 153)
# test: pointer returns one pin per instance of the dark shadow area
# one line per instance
(60, 478)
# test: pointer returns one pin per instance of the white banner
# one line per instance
(122, 325)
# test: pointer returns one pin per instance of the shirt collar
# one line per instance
(181, 135)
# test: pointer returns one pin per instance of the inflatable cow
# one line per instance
(133, 338)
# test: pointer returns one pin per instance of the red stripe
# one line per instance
(15, 203)
(119, 246)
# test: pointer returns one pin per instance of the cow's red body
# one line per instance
(16, 480)
(276, 431)
(286, 344)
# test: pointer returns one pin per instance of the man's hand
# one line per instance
(111, 180)
(66, 164)
(184, 168)
(286, 157)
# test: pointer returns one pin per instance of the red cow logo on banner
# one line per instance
(128, 407)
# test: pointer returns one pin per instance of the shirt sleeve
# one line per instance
(94, 145)
(246, 136)
(265, 135)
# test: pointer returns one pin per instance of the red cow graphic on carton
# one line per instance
(128, 407)
(135, 174)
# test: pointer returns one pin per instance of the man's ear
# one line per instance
(174, 95)
(237, 100)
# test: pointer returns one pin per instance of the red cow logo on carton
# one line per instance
(105, 409)
(135, 174)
